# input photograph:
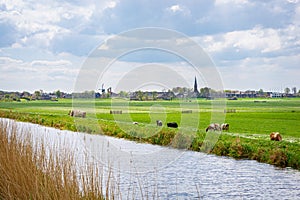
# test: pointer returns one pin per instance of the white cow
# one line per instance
(213, 127)
(77, 113)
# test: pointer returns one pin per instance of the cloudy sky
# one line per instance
(253, 43)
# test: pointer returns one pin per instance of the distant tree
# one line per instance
(58, 94)
(26, 94)
(12, 96)
(123, 94)
(140, 95)
(154, 95)
(205, 92)
(261, 91)
(294, 90)
(287, 90)
(37, 94)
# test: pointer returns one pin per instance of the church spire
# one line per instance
(195, 86)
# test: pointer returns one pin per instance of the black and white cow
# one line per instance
(225, 127)
(158, 122)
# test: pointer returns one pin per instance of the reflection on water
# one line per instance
(145, 171)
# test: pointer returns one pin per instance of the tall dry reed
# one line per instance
(29, 172)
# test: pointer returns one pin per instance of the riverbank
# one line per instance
(281, 154)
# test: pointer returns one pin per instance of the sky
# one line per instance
(44, 44)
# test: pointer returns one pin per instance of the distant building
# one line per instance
(275, 95)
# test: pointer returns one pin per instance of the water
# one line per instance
(145, 171)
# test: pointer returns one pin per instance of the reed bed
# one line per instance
(31, 172)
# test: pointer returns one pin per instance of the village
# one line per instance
(175, 93)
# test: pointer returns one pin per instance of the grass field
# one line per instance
(252, 116)
(251, 121)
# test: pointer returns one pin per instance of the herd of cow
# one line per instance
(212, 127)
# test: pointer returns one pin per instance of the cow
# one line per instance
(225, 127)
(77, 113)
(135, 123)
(275, 136)
(158, 122)
(172, 125)
(213, 127)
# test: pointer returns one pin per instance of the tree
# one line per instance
(140, 95)
(37, 94)
(205, 92)
(123, 94)
(154, 95)
(25, 94)
(58, 94)
(294, 90)
(287, 90)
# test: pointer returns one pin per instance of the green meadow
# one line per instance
(251, 122)
(251, 116)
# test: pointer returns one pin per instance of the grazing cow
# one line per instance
(77, 113)
(158, 122)
(275, 136)
(213, 127)
(136, 123)
(225, 127)
(172, 125)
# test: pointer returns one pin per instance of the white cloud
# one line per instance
(179, 9)
(38, 23)
(238, 2)
(8, 60)
(261, 39)
(111, 4)
(270, 74)
(46, 63)
(175, 8)
(20, 75)
(293, 1)
(296, 19)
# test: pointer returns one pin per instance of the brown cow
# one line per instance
(275, 136)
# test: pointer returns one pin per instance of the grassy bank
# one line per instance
(280, 154)
(248, 138)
